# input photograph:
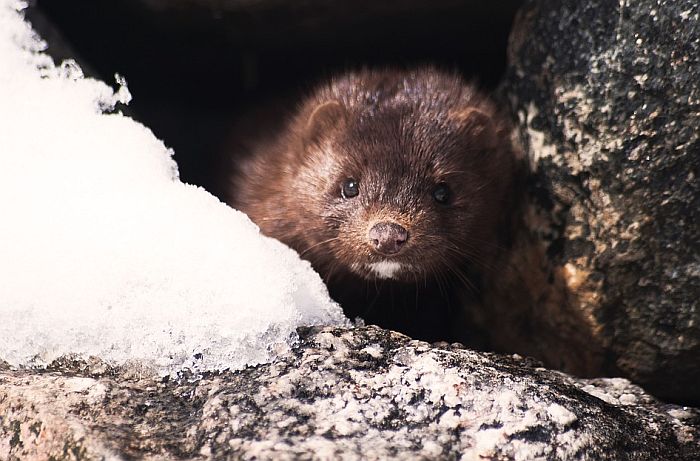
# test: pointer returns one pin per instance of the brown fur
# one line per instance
(400, 134)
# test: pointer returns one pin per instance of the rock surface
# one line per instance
(362, 393)
(607, 95)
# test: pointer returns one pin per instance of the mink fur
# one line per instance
(429, 155)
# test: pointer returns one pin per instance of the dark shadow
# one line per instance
(194, 65)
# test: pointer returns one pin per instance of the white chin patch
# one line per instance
(385, 269)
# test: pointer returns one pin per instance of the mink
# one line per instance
(396, 186)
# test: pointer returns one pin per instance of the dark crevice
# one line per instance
(194, 66)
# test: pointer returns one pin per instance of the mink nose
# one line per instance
(387, 238)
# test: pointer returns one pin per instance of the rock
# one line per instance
(361, 393)
(607, 95)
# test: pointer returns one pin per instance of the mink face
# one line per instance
(385, 175)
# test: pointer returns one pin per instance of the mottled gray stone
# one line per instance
(608, 100)
(365, 393)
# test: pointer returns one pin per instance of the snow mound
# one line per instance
(104, 252)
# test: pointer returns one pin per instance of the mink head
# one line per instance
(401, 176)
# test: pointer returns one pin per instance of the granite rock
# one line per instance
(361, 393)
(607, 98)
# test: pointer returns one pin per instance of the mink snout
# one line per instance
(387, 238)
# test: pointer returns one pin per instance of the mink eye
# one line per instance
(441, 193)
(350, 188)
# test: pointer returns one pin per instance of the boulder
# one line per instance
(606, 278)
(361, 393)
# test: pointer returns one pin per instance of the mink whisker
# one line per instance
(318, 244)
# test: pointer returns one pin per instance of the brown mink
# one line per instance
(395, 185)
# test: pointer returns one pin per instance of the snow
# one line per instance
(104, 252)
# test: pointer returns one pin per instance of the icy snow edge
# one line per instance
(104, 252)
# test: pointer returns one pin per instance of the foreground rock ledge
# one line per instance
(340, 393)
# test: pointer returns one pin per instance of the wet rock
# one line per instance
(607, 95)
(364, 393)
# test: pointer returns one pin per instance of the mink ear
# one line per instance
(475, 123)
(325, 118)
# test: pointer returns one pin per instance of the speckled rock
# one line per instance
(607, 95)
(340, 394)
